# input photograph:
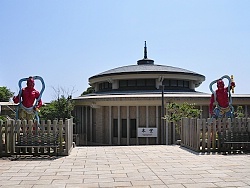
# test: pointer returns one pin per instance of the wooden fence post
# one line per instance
(198, 134)
(248, 124)
(184, 138)
(69, 135)
(12, 137)
(7, 137)
(203, 137)
(61, 135)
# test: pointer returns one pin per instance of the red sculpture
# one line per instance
(26, 98)
(220, 99)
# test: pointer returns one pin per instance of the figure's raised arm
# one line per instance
(15, 99)
(39, 102)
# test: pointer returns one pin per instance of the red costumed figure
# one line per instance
(26, 98)
(220, 99)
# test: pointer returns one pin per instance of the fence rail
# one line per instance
(12, 130)
(201, 135)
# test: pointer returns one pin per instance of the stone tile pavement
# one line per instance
(128, 166)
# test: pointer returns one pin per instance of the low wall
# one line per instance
(11, 130)
(201, 135)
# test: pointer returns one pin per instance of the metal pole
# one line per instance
(86, 124)
(166, 127)
(162, 114)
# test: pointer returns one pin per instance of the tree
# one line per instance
(239, 112)
(178, 111)
(5, 94)
(60, 108)
(3, 118)
(89, 90)
(57, 109)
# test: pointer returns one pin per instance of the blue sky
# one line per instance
(66, 42)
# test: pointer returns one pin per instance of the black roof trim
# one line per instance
(146, 72)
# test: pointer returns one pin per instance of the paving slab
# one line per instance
(150, 166)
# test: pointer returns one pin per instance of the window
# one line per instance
(166, 83)
(124, 128)
(139, 84)
(115, 127)
(123, 83)
(105, 86)
(186, 84)
(133, 131)
(171, 84)
(150, 82)
(131, 83)
(180, 83)
(133, 128)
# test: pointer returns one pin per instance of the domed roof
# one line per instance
(146, 68)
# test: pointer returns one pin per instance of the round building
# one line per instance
(128, 103)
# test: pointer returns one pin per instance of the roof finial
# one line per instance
(145, 60)
(145, 50)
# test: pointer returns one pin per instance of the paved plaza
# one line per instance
(128, 166)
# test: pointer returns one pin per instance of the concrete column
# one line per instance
(96, 87)
(91, 123)
(110, 125)
(86, 123)
(99, 129)
(209, 115)
(191, 85)
(119, 125)
(78, 114)
(128, 126)
(82, 125)
(201, 111)
(115, 84)
(147, 122)
(245, 110)
(157, 123)
(76, 131)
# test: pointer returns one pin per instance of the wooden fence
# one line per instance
(201, 135)
(11, 130)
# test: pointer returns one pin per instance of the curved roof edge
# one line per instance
(145, 69)
(166, 94)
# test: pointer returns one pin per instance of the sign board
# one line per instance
(147, 132)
